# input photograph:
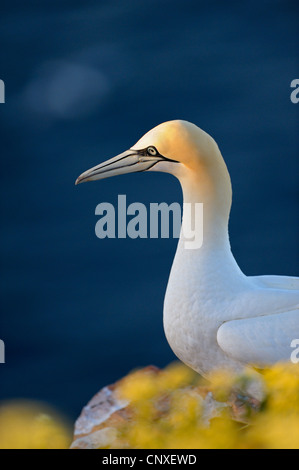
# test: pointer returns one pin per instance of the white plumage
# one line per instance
(214, 315)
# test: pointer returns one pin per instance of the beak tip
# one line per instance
(78, 180)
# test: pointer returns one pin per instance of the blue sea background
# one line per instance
(84, 81)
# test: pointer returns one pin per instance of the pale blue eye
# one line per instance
(151, 151)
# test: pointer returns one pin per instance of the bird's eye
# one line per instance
(152, 151)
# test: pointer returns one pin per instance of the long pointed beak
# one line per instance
(127, 162)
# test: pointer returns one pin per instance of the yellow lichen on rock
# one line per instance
(175, 408)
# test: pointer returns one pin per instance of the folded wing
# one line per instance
(277, 282)
(260, 340)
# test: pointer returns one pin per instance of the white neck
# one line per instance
(211, 187)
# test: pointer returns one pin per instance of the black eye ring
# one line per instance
(152, 151)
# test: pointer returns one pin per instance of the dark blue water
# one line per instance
(84, 80)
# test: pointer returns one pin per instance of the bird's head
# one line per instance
(171, 147)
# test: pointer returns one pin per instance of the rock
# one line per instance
(99, 420)
(102, 421)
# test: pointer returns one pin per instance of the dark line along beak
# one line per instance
(130, 161)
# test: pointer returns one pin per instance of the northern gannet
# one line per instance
(214, 315)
